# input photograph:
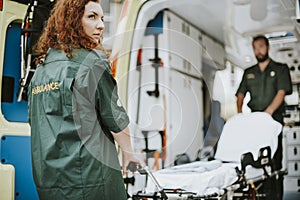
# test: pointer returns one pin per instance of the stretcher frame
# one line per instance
(241, 189)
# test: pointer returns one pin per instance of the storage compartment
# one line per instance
(213, 52)
(291, 184)
(293, 168)
(293, 136)
(184, 45)
(293, 152)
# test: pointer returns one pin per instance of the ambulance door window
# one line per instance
(12, 110)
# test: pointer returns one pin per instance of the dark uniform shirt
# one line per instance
(73, 106)
(263, 86)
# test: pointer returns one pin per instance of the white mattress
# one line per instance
(202, 177)
(244, 133)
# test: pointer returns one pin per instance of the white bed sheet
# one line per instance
(202, 177)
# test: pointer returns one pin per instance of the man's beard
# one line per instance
(263, 58)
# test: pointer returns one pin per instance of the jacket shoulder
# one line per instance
(250, 69)
(279, 64)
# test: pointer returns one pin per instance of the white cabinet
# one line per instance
(178, 108)
(291, 145)
(213, 52)
(185, 50)
(185, 116)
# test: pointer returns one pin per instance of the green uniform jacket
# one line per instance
(263, 86)
(73, 106)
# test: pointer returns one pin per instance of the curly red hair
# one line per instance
(64, 29)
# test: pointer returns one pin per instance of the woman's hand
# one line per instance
(128, 157)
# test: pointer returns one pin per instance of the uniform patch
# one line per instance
(272, 73)
(44, 88)
(119, 103)
(250, 76)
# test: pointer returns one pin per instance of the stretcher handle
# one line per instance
(132, 166)
(160, 189)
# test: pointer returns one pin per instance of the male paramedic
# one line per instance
(267, 82)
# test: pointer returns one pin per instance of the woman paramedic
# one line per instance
(74, 110)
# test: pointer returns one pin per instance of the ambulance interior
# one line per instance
(183, 63)
(186, 62)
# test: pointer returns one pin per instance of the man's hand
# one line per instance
(269, 111)
(239, 102)
(278, 99)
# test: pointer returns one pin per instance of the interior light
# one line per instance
(278, 34)
(241, 2)
(258, 9)
(281, 37)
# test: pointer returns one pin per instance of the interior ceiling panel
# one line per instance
(235, 22)
(208, 15)
(276, 16)
(214, 16)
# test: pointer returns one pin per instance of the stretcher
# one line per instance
(241, 165)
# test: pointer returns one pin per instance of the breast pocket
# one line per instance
(67, 91)
(52, 98)
(67, 94)
(253, 85)
(271, 85)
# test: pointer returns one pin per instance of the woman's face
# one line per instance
(92, 20)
